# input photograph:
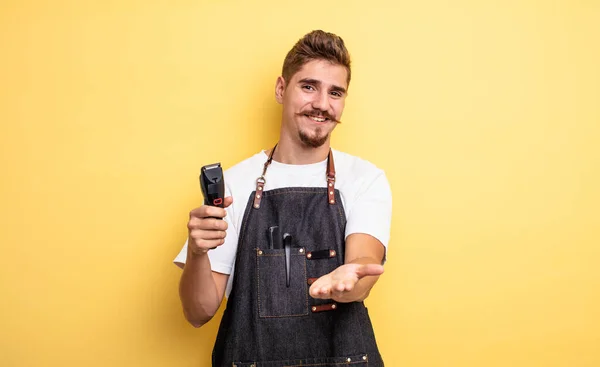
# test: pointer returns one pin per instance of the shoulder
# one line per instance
(249, 167)
(358, 178)
(351, 167)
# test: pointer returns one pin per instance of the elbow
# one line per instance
(197, 323)
(197, 320)
(364, 296)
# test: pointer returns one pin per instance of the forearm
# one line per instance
(362, 288)
(197, 290)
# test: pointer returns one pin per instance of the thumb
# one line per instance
(369, 269)
(227, 201)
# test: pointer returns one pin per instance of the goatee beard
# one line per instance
(314, 141)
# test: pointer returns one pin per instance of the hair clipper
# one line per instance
(212, 184)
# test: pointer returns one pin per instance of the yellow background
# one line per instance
(485, 116)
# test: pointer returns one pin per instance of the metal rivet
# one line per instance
(259, 188)
(333, 306)
(330, 184)
(309, 255)
(258, 196)
(349, 360)
(256, 206)
(330, 192)
(331, 201)
(301, 250)
(332, 253)
(364, 358)
(252, 365)
(260, 252)
(314, 308)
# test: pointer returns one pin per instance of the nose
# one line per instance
(321, 101)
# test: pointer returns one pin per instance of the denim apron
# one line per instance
(270, 319)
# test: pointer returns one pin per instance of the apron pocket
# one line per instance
(360, 360)
(275, 298)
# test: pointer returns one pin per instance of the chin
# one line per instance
(313, 141)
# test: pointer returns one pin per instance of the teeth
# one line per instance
(319, 119)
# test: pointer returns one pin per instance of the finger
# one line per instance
(209, 235)
(206, 224)
(206, 211)
(337, 295)
(369, 269)
(197, 213)
(315, 292)
(349, 285)
(212, 224)
(318, 291)
(214, 212)
(199, 235)
(228, 201)
(205, 245)
(325, 290)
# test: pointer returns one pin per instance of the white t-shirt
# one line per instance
(364, 190)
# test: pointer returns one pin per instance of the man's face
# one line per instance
(313, 101)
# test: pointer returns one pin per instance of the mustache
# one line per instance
(319, 113)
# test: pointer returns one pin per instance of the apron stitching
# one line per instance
(307, 287)
(267, 193)
(258, 289)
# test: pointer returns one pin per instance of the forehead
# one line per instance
(323, 71)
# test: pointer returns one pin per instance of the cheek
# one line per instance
(298, 103)
(338, 107)
(305, 99)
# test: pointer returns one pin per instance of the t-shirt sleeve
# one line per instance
(223, 257)
(371, 211)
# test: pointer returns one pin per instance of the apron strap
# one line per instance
(330, 178)
(260, 182)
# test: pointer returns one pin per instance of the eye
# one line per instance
(308, 87)
(336, 94)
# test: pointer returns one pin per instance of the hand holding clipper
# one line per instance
(206, 225)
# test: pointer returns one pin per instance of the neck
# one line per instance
(289, 152)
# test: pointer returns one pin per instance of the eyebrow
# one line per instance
(318, 82)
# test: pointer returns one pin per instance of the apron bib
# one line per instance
(270, 319)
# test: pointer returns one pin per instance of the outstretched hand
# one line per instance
(338, 284)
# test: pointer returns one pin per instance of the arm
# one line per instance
(353, 281)
(200, 289)
(370, 212)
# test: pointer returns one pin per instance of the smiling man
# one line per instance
(301, 246)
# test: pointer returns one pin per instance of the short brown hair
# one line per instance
(316, 45)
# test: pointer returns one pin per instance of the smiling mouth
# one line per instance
(318, 119)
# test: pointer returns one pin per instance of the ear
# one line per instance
(279, 89)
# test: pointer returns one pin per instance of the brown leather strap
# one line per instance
(260, 182)
(330, 178)
(320, 254)
(310, 281)
(330, 165)
(325, 307)
(268, 162)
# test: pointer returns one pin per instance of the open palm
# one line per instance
(342, 280)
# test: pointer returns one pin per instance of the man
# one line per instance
(301, 246)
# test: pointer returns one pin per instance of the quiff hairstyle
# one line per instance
(316, 45)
